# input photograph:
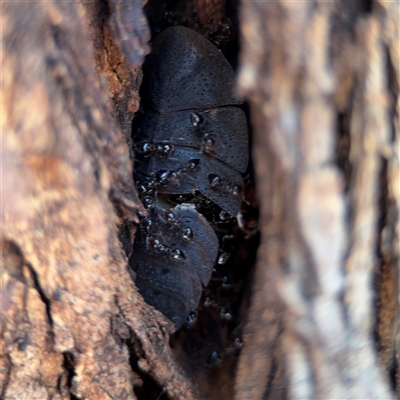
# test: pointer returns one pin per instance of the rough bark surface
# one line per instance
(322, 81)
(318, 76)
(72, 320)
(119, 33)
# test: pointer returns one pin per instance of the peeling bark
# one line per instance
(119, 33)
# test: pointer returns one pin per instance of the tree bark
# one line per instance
(72, 320)
(322, 82)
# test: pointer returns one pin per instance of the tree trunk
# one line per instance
(72, 319)
(322, 83)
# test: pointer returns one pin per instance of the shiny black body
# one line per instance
(192, 138)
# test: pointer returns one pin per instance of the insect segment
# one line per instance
(175, 250)
(192, 138)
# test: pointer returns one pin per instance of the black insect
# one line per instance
(191, 145)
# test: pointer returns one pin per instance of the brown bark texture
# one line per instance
(322, 79)
(322, 82)
(72, 320)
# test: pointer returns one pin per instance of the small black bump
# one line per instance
(214, 179)
(209, 142)
(191, 318)
(214, 358)
(196, 119)
(192, 164)
(178, 255)
(187, 233)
